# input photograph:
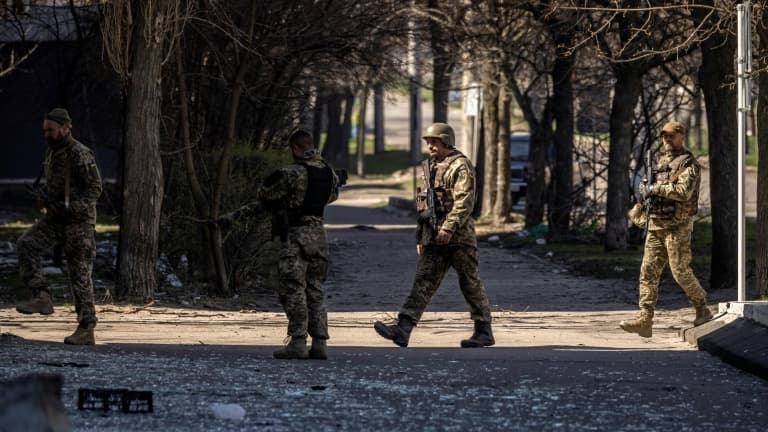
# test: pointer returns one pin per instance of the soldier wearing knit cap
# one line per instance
(72, 187)
(60, 116)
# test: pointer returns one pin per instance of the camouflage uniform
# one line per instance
(453, 180)
(303, 260)
(669, 230)
(73, 181)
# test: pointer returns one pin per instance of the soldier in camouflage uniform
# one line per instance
(445, 238)
(72, 187)
(673, 195)
(297, 195)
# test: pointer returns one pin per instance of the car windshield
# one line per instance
(519, 148)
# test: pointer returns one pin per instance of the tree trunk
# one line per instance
(540, 139)
(336, 149)
(761, 254)
(222, 173)
(491, 125)
(346, 129)
(317, 118)
(697, 119)
(626, 93)
(331, 149)
(361, 132)
(501, 206)
(442, 67)
(202, 209)
(716, 68)
(535, 195)
(442, 84)
(468, 141)
(378, 119)
(222, 169)
(143, 176)
(562, 172)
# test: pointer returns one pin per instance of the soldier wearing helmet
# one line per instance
(445, 238)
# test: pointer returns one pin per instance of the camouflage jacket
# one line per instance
(285, 190)
(458, 183)
(675, 193)
(73, 180)
(677, 187)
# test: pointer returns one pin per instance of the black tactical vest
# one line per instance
(319, 187)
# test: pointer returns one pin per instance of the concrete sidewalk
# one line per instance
(738, 335)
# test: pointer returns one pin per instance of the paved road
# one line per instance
(560, 363)
(545, 388)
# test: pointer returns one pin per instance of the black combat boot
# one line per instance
(482, 337)
(398, 333)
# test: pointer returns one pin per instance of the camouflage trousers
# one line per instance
(79, 248)
(301, 291)
(431, 268)
(671, 246)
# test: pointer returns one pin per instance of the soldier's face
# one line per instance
(436, 148)
(54, 132)
(672, 141)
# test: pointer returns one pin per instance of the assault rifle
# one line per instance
(429, 215)
(47, 200)
(278, 217)
(649, 175)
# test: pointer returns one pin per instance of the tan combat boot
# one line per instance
(41, 304)
(296, 349)
(318, 350)
(83, 335)
(643, 326)
(702, 315)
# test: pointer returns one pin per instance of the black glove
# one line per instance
(55, 207)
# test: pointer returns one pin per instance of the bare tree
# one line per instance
(444, 14)
(716, 72)
(136, 39)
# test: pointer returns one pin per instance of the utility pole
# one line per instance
(743, 74)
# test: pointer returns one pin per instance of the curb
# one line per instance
(738, 341)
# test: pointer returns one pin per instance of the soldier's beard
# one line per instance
(55, 142)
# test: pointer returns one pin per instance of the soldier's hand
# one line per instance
(55, 208)
(646, 190)
(419, 249)
(443, 237)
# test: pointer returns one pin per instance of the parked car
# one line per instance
(519, 144)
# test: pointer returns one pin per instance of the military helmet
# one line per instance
(441, 131)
